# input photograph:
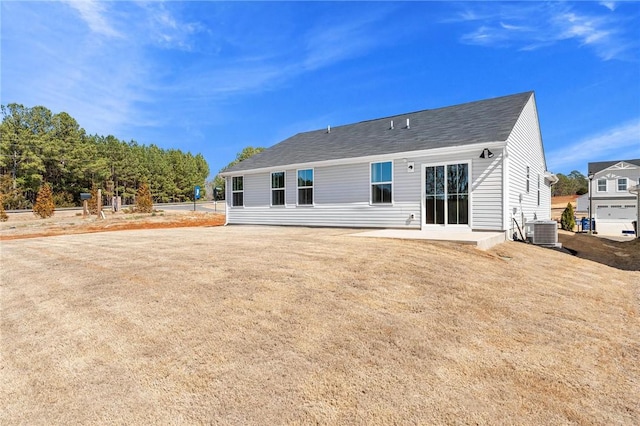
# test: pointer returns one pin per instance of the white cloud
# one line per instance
(533, 26)
(93, 14)
(618, 143)
(611, 5)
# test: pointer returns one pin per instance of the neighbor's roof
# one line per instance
(477, 122)
(599, 166)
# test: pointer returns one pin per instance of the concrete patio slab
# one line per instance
(482, 240)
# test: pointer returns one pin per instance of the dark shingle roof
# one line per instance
(601, 165)
(483, 121)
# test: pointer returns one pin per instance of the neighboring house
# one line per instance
(474, 166)
(614, 207)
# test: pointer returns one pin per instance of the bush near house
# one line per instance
(568, 220)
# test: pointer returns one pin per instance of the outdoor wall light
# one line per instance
(486, 153)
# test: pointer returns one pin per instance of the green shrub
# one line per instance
(568, 221)
(63, 199)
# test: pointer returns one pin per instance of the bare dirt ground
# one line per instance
(618, 254)
(558, 204)
(258, 325)
(27, 225)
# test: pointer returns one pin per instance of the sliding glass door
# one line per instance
(447, 194)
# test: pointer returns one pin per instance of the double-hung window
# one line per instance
(381, 183)
(305, 187)
(622, 184)
(602, 185)
(237, 191)
(277, 188)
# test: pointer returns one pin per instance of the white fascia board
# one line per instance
(462, 149)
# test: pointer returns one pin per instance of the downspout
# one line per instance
(226, 201)
(507, 219)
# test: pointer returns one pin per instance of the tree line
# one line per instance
(575, 183)
(37, 147)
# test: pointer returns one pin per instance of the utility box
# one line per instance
(85, 196)
(543, 233)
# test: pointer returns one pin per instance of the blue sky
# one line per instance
(214, 77)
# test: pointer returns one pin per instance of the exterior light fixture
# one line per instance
(486, 153)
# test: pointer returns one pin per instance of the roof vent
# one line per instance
(328, 129)
(408, 127)
(391, 125)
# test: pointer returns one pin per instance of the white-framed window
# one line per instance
(277, 188)
(382, 182)
(622, 184)
(527, 179)
(237, 191)
(602, 185)
(305, 187)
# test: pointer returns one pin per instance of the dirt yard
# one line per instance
(27, 225)
(257, 325)
(623, 254)
(558, 204)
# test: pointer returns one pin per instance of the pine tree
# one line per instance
(144, 203)
(568, 221)
(44, 206)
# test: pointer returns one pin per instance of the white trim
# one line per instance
(271, 188)
(606, 184)
(626, 189)
(462, 149)
(227, 201)
(371, 183)
(423, 198)
(313, 188)
(507, 212)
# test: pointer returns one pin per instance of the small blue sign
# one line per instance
(197, 192)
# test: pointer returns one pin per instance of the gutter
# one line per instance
(552, 178)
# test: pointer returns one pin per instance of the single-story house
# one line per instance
(614, 207)
(475, 166)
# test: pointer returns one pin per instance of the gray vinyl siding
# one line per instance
(341, 198)
(343, 184)
(525, 149)
(487, 192)
(257, 190)
(342, 195)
